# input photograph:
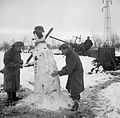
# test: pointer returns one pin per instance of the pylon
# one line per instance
(107, 22)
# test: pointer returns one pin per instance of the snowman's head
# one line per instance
(39, 33)
(39, 37)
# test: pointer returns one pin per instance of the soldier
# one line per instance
(13, 63)
(88, 43)
(74, 70)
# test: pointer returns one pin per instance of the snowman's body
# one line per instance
(44, 65)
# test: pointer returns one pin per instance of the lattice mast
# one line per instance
(107, 21)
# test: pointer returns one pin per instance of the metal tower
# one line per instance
(107, 21)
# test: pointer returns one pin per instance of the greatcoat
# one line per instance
(74, 70)
(12, 62)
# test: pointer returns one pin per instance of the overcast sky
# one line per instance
(67, 17)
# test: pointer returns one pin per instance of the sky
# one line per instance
(67, 17)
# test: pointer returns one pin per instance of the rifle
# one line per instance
(45, 38)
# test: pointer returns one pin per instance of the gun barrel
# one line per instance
(59, 39)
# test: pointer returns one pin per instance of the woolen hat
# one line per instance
(18, 44)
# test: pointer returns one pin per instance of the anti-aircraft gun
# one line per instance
(81, 49)
(104, 56)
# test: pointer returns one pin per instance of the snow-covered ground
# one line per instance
(104, 84)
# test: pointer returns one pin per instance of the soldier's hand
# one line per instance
(55, 73)
(17, 65)
(21, 62)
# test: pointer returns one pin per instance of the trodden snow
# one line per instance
(110, 96)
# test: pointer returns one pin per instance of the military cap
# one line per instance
(65, 46)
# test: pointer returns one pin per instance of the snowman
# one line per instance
(44, 65)
(47, 90)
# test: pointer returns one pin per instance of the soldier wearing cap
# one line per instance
(74, 70)
(12, 64)
(88, 43)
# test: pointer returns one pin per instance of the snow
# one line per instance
(112, 97)
(113, 94)
(109, 96)
(52, 102)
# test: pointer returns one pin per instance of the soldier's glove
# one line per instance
(55, 73)
(18, 65)
(21, 62)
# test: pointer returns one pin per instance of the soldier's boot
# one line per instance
(14, 98)
(9, 96)
(75, 106)
(76, 99)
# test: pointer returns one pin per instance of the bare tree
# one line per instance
(5, 46)
(115, 39)
(97, 41)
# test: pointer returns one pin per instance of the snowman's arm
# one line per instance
(29, 64)
(29, 58)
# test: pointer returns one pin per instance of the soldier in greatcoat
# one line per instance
(12, 64)
(88, 43)
(74, 70)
